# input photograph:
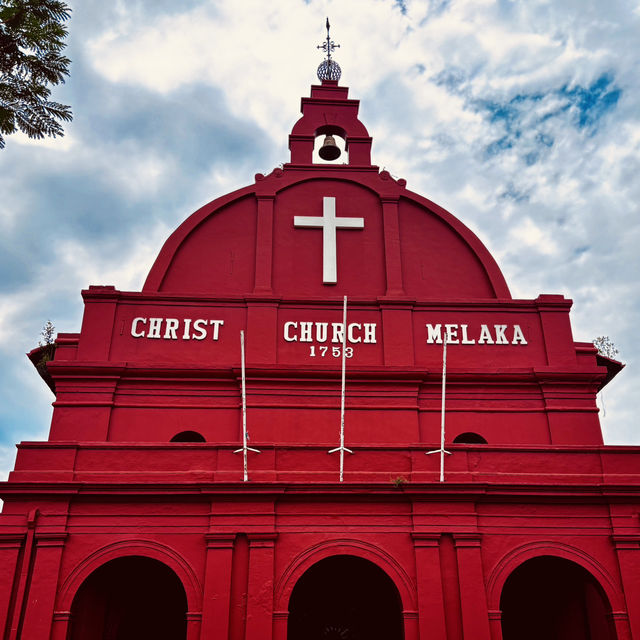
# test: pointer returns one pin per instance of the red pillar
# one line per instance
(429, 582)
(40, 601)
(260, 587)
(217, 587)
(628, 551)
(473, 597)
(9, 550)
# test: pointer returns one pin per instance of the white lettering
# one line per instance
(350, 335)
(369, 333)
(216, 324)
(321, 331)
(305, 331)
(287, 333)
(500, 337)
(434, 334)
(134, 327)
(187, 326)
(465, 340)
(170, 329)
(518, 336)
(485, 335)
(200, 326)
(452, 333)
(154, 327)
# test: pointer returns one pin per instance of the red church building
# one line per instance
(136, 520)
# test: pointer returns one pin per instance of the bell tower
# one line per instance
(329, 112)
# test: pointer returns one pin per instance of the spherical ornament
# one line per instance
(329, 70)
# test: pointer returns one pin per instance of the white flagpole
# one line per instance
(245, 448)
(442, 450)
(342, 448)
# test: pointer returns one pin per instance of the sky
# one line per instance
(522, 118)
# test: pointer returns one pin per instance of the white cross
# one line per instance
(329, 223)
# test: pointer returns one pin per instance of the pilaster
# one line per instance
(628, 552)
(473, 598)
(10, 545)
(264, 245)
(260, 586)
(392, 257)
(40, 601)
(217, 587)
(431, 621)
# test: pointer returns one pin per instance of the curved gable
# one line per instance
(230, 245)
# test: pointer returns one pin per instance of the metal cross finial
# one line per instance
(329, 46)
(329, 69)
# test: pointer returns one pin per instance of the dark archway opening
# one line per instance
(188, 436)
(469, 438)
(554, 599)
(345, 598)
(132, 598)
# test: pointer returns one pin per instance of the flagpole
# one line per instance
(245, 449)
(342, 448)
(442, 450)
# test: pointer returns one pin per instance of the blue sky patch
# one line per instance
(522, 119)
(402, 5)
(593, 102)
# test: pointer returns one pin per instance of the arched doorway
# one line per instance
(345, 598)
(131, 598)
(554, 599)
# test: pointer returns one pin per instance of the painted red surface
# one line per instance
(543, 503)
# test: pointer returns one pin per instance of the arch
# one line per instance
(126, 548)
(188, 436)
(330, 130)
(384, 561)
(469, 437)
(549, 596)
(518, 556)
(127, 598)
(343, 595)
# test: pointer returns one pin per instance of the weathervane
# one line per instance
(329, 69)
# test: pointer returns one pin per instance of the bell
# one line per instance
(329, 149)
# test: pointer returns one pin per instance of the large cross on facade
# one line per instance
(329, 223)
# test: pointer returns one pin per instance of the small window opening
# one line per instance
(188, 436)
(469, 438)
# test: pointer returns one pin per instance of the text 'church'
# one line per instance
(250, 447)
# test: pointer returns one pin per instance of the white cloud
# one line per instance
(59, 143)
(529, 234)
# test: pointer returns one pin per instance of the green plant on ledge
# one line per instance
(398, 482)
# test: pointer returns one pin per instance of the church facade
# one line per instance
(139, 519)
